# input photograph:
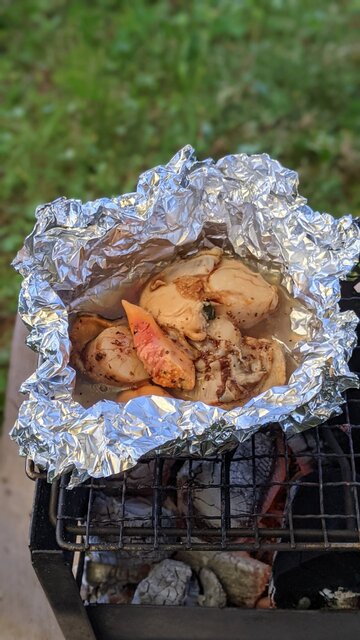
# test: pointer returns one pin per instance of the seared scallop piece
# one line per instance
(175, 296)
(144, 390)
(277, 373)
(241, 294)
(111, 358)
(231, 369)
(222, 337)
(166, 363)
(84, 328)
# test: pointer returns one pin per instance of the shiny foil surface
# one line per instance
(86, 256)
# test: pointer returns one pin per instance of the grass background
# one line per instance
(93, 93)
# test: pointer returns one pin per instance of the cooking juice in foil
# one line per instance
(86, 257)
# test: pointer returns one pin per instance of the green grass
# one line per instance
(95, 92)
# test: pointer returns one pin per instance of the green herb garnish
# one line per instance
(209, 311)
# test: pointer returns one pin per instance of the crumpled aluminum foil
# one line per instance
(84, 256)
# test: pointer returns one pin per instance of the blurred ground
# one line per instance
(24, 611)
(94, 93)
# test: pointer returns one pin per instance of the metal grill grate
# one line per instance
(336, 471)
(321, 508)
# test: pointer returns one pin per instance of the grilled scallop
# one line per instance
(277, 373)
(241, 294)
(103, 350)
(178, 296)
(231, 369)
(175, 297)
(166, 363)
(85, 328)
(144, 390)
(111, 358)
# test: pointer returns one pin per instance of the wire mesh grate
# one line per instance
(327, 517)
(273, 492)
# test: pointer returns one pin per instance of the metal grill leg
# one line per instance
(53, 569)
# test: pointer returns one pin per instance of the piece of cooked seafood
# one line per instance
(175, 296)
(179, 295)
(241, 294)
(277, 374)
(84, 328)
(166, 363)
(231, 369)
(144, 390)
(111, 358)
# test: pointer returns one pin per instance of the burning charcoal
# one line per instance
(243, 578)
(166, 584)
(114, 574)
(128, 567)
(108, 584)
(141, 478)
(214, 595)
(305, 447)
(109, 510)
(125, 572)
(311, 574)
(244, 500)
(193, 592)
(110, 594)
(341, 599)
(97, 572)
(137, 511)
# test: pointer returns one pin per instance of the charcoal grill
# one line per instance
(62, 529)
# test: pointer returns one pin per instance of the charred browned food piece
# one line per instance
(241, 294)
(111, 358)
(166, 363)
(175, 296)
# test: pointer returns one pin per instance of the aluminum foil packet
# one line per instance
(86, 256)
